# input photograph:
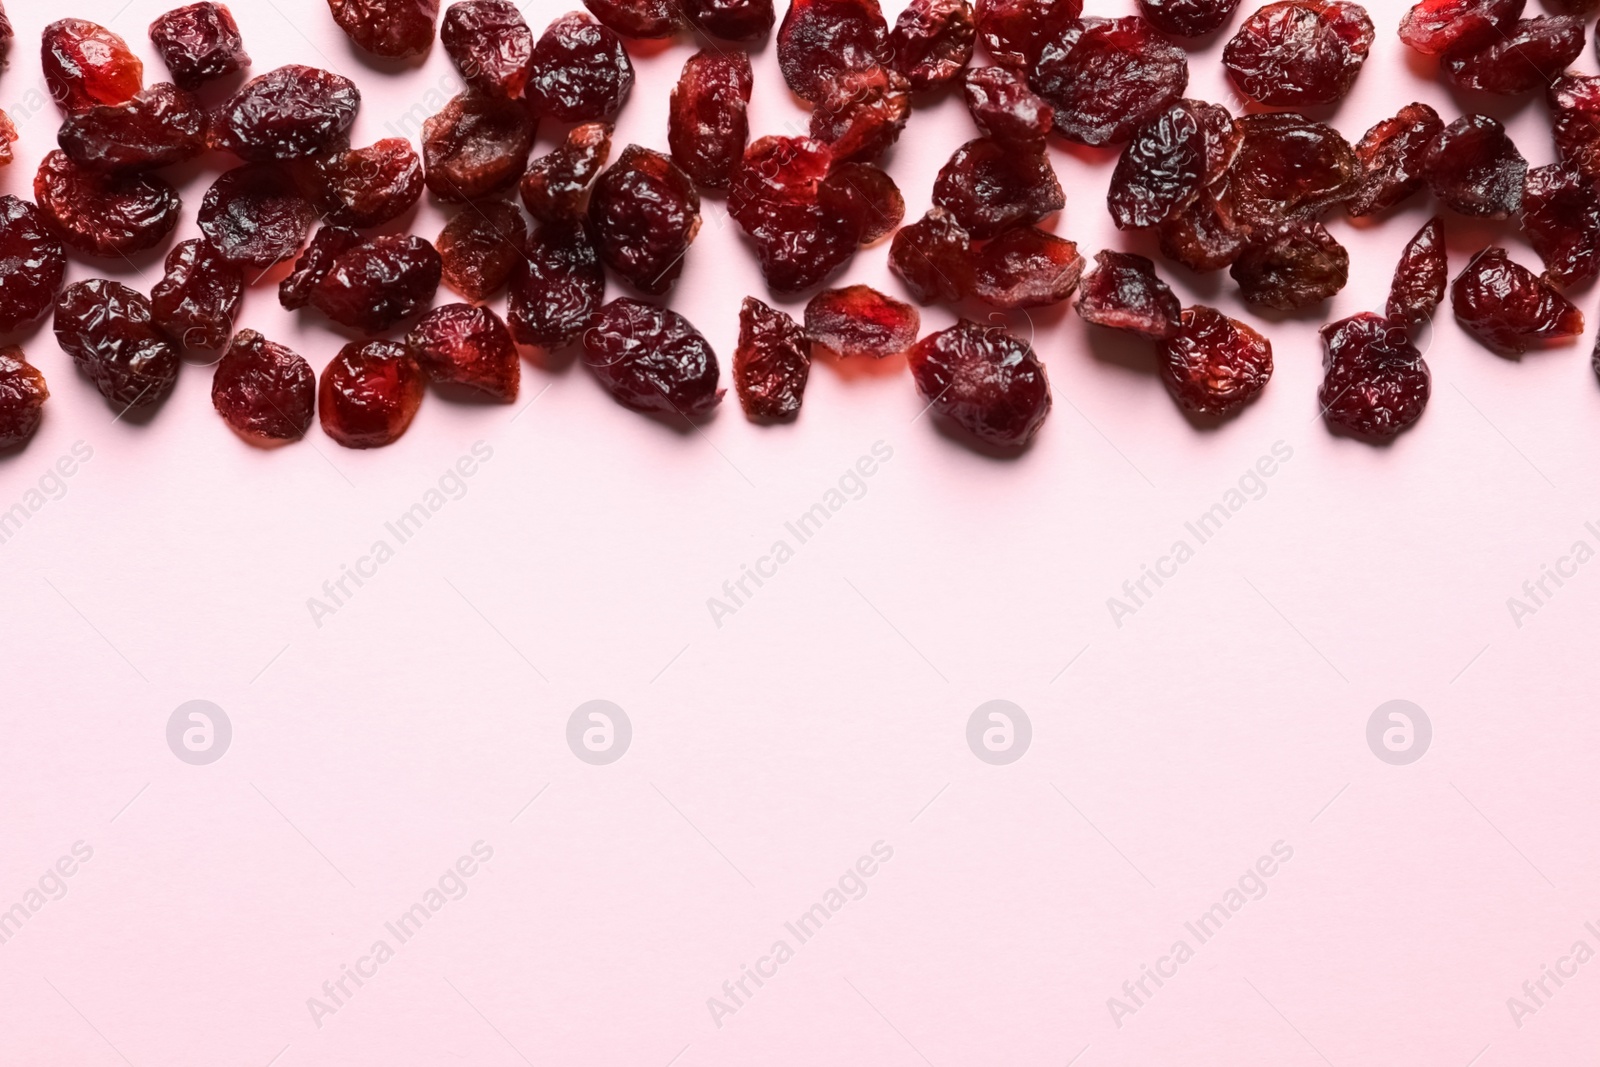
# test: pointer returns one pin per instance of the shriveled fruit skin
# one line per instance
(330, 242)
(1294, 266)
(931, 43)
(367, 187)
(645, 213)
(732, 20)
(8, 137)
(862, 114)
(1299, 53)
(1432, 27)
(651, 359)
(199, 43)
(580, 71)
(491, 45)
(264, 391)
(22, 396)
(1214, 365)
(1116, 76)
(1474, 168)
(985, 380)
(556, 185)
(559, 287)
(255, 216)
(1168, 161)
(32, 263)
(392, 29)
(1574, 101)
(772, 363)
(293, 112)
(106, 328)
(776, 197)
(1207, 234)
(638, 19)
(109, 215)
(1532, 54)
(476, 147)
(707, 119)
(1005, 109)
(1420, 278)
(865, 197)
(1392, 155)
(860, 321)
(1123, 292)
(1187, 18)
(197, 301)
(1561, 216)
(821, 40)
(933, 257)
(370, 393)
(1015, 32)
(1289, 167)
(380, 283)
(1026, 268)
(989, 187)
(462, 344)
(1508, 307)
(159, 127)
(86, 64)
(482, 248)
(1375, 383)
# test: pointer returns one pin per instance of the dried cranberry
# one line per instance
(580, 71)
(392, 29)
(985, 380)
(481, 248)
(645, 214)
(106, 328)
(161, 126)
(1293, 266)
(559, 288)
(8, 137)
(1214, 365)
(1299, 52)
(557, 185)
(255, 216)
(989, 187)
(367, 187)
(460, 344)
(933, 258)
(1533, 54)
(1508, 307)
(1005, 109)
(199, 43)
(6, 33)
(1419, 280)
(931, 42)
(639, 19)
(1123, 292)
(860, 321)
(1474, 168)
(22, 396)
(32, 264)
(292, 112)
(1207, 234)
(1290, 167)
(651, 359)
(331, 242)
(1168, 161)
(102, 214)
(1375, 383)
(1575, 118)
(477, 146)
(862, 114)
(1116, 77)
(776, 197)
(772, 363)
(732, 20)
(491, 45)
(707, 120)
(1015, 32)
(370, 393)
(820, 40)
(1026, 268)
(378, 284)
(1391, 155)
(264, 391)
(1433, 27)
(1187, 18)
(1561, 216)
(198, 299)
(864, 197)
(86, 64)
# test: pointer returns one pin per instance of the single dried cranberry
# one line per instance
(1433, 27)
(985, 380)
(491, 45)
(199, 43)
(1214, 365)
(460, 344)
(580, 71)
(370, 393)
(1123, 292)
(933, 258)
(481, 248)
(1168, 161)
(102, 214)
(1299, 52)
(1375, 383)
(6, 33)
(106, 328)
(477, 146)
(1419, 280)
(1026, 268)
(1391, 155)
(707, 119)
(161, 126)
(557, 185)
(1508, 307)
(86, 64)
(989, 187)
(559, 288)
(367, 187)
(651, 359)
(1116, 77)
(777, 172)
(1207, 234)
(293, 112)
(1290, 167)
(820, 40)
(198, 299)
(1474, 168)
(22, 396)
(392, 29)
(1561, 216)
(1532, 54)
(331, 242)
(1575, 119)
(32, 263)
(862, 114)
(860, 321)
(772, 363)
(1015, 32)
(639, 19)
(732, 20)
(378, 284)
(645, 214)
(865, 198)
(931, 42)
(255, 216)
(1187, 18)
(1005, 109)
(264, 391)
(1292, 266)
(777, 198)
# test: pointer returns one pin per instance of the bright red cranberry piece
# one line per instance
(482, 248)
(1433, 27)
(984, 380)
(863, 197)
(931, 43)
(1419, 280)
(461, 344)
(370, 393)
(1392, 155)
(732, 20)
(1026, 268)
(1187, 18)
(1116, 77)
(198, 299)
(1474, 168)
(821, 40)
(264, 391)
(990, 188)
(645, 213)
(862, 114)
(491, 45)
(707, 119)
(860, 321)
(1375, 382)
(1208, 233)
(379, 284)
(1293, 266)
(1214, 365)
(477, 146)
(255, 216)
(1297, 53)
(1574, 101)
(330, 242)
(1508, 307)
(933, 257)
(1015, 32)
(1168, 161)
(86, 64)
(293, 112)
(391, 29)
(32, 264)
(106, 328)
(580, 71)
(772, 363)
(1005, 109)
(22, 396)
(199, 43)
(639, 19)
(1533, 54)
(560, 287)
(1124, 293)
(367, 187)
(1561, 216)
(651, 359)
(99, 214)
(1289, 167)
(556, 185)
(159, 127)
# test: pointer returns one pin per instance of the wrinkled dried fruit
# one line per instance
(933, 257)
(86, 64)
(1026, 268)
(931, 42)
(105, 327)
(1561, 216)
(367, 187)
(198, 299)
(860, 321)
(1474, 168)
(370, 393)
(1391, 155)
(1015, 32)
(1168, 161)
(645, 214)
(560, 287)
(1375, 383)
(580, 71)
(491, 45)
(1419, 280)
(1289, 167)
(862, 114)
(264, 391)
(32, 264)
(1291, 267)
(22, 396)
(776, 197)
(460, 344)
(1005, 109)
(331, 242)
(1432, 27)
(989, 187)
(8, 137)
(482, 248)
(1187, 18)
(865, 198)
(1206, 234)
(1533, 53)
(102, 214)
(199, 43)
(1115, 78)
(1123, 292)
(376, 285)
(1575, 119)
(477, 146)
(557, 185)
(254, 216)
(772, 363)
(292, 112)
(732, 20)
(1297, 53)
(821, 40)
(651, 359)
(392, 29)
(161, 126)
(985, 380)
(707, 120)
(1508, 307)
(639, 19)
(6, 32)
(1214, 365)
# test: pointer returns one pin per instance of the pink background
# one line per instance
(829, 713)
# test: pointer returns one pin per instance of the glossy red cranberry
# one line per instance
(860, 321)
(476, 147)
(651, 359)
(22, 396)
(159, 127)
(99, 214)
(293, 112)
(380, 283)
(391, 29)
(732, 20)
(1169, 160)
(580, 71)
(862, 114)
(772, 363)
(367, 187)
(777, 198)
(1289, 167)
(1419, 280)
(1214, 365)
(1531, 55)
(864, 198)
(931, 43)
(984, 380)
(32, 264)
(645, 213)
(1292, 266)
(481, 249)
(933, 257)
(1375, 382)
(370, 393)
(199, 43)
(1508, 307)
(559, 288)
(556, 185)
(1433, 27)
(1005, 109)
(1298, 53)
(461, 344)
(330, 242)
(197, 301)
(1208, 233)
(255, 216)
(1015, 32)
(107, 330)
(707, 118)
(86, 64)
(1117, 76)
(1474, 168)
(1188, 18)
(989, 187)
(639, 19)
(1124, 293)
(1392, 155)
(821, 40)
(1574, 101)
(264, 391)
(1026, 268)
(1561, 216)
(491, 45)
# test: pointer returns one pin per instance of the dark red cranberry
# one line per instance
(370, 393)
(1533, 53)
(1561, 216)
(557, 185)
(1433, 27)
(931, 42)
(1474, 168)
(820, 40)
(461, 344)
(22, 396)
(1005, 109)
(1419, 280)
(293, 112)
(379, 284)
(1168, 161)
(1015, 32)
(864, 198)
(159, 127)
(1207, 234)
(862, 114)
(477, 146)
(199, 43)
(560, 287)
(1116, 77)
(1297, 53)
(1026, 268)
(264, 391)
(777, 199)
(989, 187)
(985, 380)
(732, 20)
(330, 242)
(1123, 292)
(86, 64)
(198, 299)
(772, 363)
(651, 359)
(639, 19)
(1392, 155)
(1508, 307)
(933, 257)
(860, 321)
(707, 120)
(367, 187)
(1375, 382)
(1289, 167)
(1214, 365)
(99, 214)
(32, 264)
(391, 29)
(491, 45)
(107, 330)
(1292, 266)
(580, 71)
(255, 216)
(1188, 18)
(482, 248)
(645, 213)
(1575, 120)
